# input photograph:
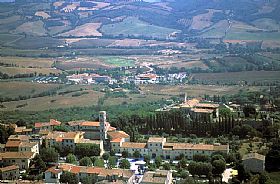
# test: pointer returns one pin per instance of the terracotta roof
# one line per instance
(51, 123)
(18, 138)
(75, 123)
(154, 177)
(111, 129)
(207, 105)
(90, 123)
(118, 134)
(253, 156)
(133, 145)
(17, 155)
(75, 169)
(28, 144)
(54, 135)
(190, 103)
(70, 135)
(156, 139)
(117, 140)
(54, 170)
(12, 144)
(9, 168)
(197, 110)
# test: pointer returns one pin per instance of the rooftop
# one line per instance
(207, 105)
(134, 145)
(156, 139)
(197, 110)
(9, 168)
(16, 155)
(253, 156)
(118, 134)
(155, 177)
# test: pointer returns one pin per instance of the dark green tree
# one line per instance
(69, 178)
(71, 158)
(86, 161)
(124, 164)
(49, 155)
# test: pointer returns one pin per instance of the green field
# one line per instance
(250, 76)
(136, 27)
(118, 62)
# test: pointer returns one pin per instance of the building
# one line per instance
(95, 130)
(47, 125)
(254, 162)
(9, 173)
(22, 159)
(157, 146)
(18, 146)
(146, 79)
(52, 175)
(159, 176)
(70, 140)
(23, 130)
(195, 109)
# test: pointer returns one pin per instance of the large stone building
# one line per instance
(254, 162)
(70, 140)
(157, 146)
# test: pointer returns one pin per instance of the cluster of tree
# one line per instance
(5, 132)
(272, 159)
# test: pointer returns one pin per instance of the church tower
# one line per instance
(103, 125)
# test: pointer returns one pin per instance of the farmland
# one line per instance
(250, 76)
(89, 29)
(133, 26)
(28, 62)
(118, 61)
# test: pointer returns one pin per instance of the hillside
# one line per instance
(171, 20)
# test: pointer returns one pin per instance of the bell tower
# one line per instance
(103, 125)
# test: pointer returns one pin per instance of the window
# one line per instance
(156, 144)
(23, 160)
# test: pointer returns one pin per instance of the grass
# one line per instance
(136, 27)
(274, 177)
(118, 61)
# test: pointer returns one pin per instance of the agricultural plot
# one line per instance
(242, 31)
(35, 28)
(266, 23)
(217, 30)
(11, 88)
(202, 21)
(89, 29)
(54, 102)
(134, 26)
(12, 71)
(88, 42)
(250, 76)
(191, 90)
(7, 38)
(28, 62)
(118, 61)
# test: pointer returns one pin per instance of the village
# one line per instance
(107, 154)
